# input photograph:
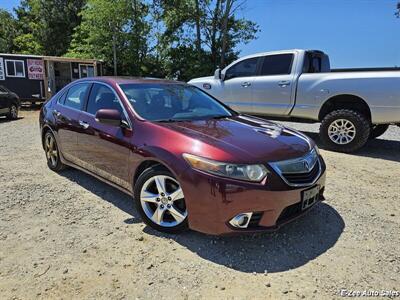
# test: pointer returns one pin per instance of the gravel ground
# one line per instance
(70, 236)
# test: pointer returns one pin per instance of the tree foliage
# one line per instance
(8, 31)
(163, 38)
(397, 13)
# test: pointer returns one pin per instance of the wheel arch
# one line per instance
(345, 101)
(45, 129)
(148, 163)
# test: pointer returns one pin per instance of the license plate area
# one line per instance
(310, 197)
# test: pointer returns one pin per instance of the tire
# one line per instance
(378, 130)
(155, 201)
(52, 153)
(344, 130)
(13, 114)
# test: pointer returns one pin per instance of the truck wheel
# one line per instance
(344, 130)
(378, 130)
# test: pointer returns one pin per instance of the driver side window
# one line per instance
(244, 68)
(102, 97)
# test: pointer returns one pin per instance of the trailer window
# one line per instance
(15, 68)
(277, 64)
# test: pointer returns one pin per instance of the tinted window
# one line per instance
(76, 95)
(277, 64)
(244, 68)
(10, 68)
(102, 97)
(166, 102)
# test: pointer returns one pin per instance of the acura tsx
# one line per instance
(188, 160)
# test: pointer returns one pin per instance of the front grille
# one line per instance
(255, 219)
(303, 178)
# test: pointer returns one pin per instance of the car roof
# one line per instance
(131, 80)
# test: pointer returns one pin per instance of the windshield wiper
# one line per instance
(219, 117)
(171, 120)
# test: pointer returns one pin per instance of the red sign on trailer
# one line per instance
(35, 69)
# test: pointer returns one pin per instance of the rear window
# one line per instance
(277, 64)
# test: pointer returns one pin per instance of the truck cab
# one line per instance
(353, 105)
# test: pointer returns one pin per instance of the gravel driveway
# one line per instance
(70, 236)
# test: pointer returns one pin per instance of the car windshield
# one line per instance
(173, 102)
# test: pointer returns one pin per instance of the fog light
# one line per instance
(241, 220)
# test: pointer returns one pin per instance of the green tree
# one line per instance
(46, 26)
(116, 32)
(8, 31)
(397, 13)
(200, 35)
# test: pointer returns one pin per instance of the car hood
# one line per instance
(201, 79)
(246, 138)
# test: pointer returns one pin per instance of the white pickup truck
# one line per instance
(353, 105)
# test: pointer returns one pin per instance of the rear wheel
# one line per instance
(378, 130)
(52, 152)
(344, 130)
(13, 114)
(160, 201)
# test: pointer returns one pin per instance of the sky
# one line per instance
(355, 33)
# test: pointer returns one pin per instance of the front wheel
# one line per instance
(13, 114)
(344, 130)
(160, 201)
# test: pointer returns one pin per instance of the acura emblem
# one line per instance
(306, 165)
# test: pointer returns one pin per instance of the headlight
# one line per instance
(236, 171)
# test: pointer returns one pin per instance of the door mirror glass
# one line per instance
(109, 117)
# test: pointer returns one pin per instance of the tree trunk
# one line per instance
(114, 54)
(214, 33)
(228, 7)
(198, 33)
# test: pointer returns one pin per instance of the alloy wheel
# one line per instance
(14, 112)
(342, 131)
(51, 150)
(162, 200)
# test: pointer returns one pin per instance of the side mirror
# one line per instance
(109, 117)
(217, 73)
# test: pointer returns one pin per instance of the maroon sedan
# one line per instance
(188, 160)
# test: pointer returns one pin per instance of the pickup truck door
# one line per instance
(237, 85)
(273, 90)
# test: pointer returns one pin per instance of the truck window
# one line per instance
(278, 64)
(244, 68)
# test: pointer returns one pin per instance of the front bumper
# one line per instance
(213, 201)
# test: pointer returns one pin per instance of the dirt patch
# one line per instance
(70, 236)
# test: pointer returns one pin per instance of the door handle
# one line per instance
(56, 113)
(246, 84)
(284, 83)
(84, 124)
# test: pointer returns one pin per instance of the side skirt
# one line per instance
(68, 163)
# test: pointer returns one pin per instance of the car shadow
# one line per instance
(292, 246)
(376, 148)
(105, 192)
(6, 120)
